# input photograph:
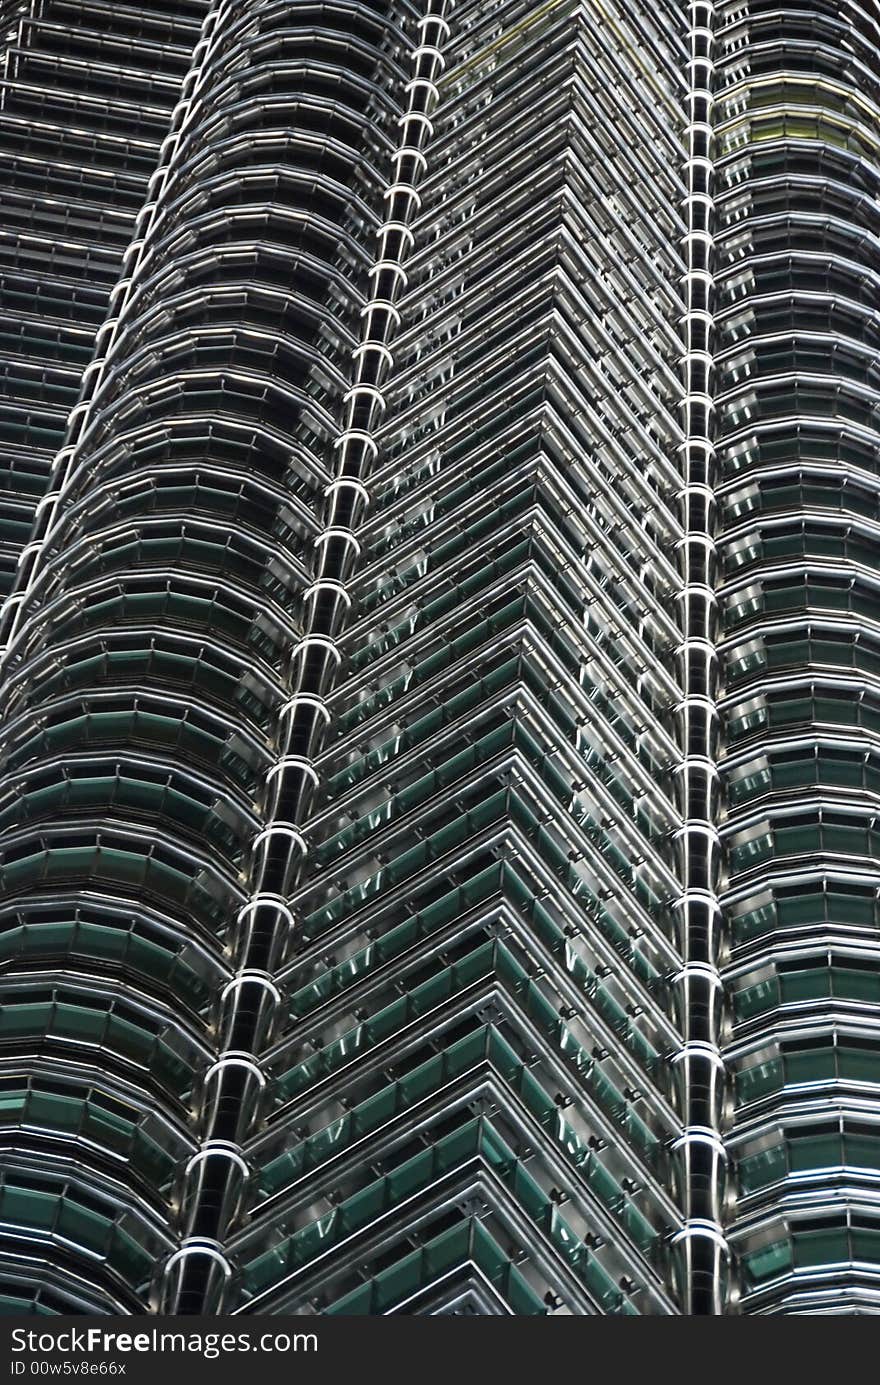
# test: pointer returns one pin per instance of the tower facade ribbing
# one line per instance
(436, 866)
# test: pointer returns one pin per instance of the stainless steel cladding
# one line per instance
(437, 851)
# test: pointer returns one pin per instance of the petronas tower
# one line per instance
(440, 707)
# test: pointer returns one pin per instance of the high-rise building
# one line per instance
(86, 93)
(439, 716)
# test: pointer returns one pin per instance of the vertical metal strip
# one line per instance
(195, 1277)
(701, 1244)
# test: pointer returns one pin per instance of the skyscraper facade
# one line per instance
(87, 93)
(437, 853)
(796, 400)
